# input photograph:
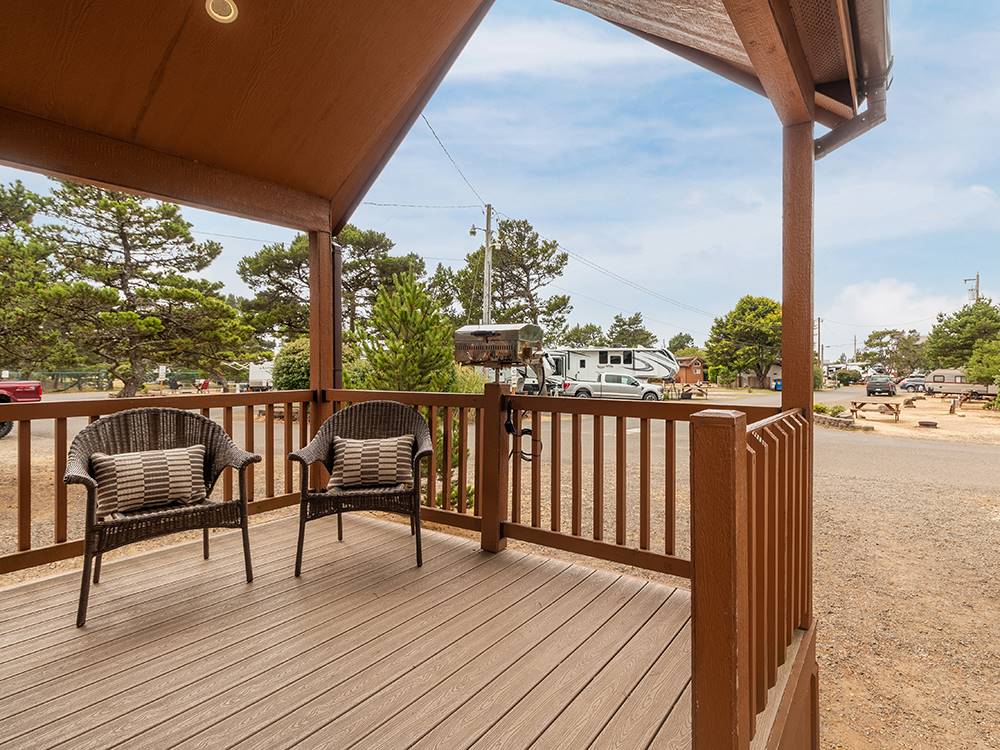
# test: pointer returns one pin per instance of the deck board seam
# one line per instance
(659, 728)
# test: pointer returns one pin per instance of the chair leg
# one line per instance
(81, 612)
(302, 539)
(413, 528)
(246, 548)
(416, 524)
(340, 526)
(97, 569)
(204, 543)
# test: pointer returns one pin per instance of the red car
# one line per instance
(17, 391)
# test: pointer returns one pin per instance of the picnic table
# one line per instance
(891, 404)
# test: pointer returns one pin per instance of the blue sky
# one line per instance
(670, 176)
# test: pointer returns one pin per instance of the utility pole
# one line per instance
(819, 341)
(974, 290)
(855, 347)
(487, 317)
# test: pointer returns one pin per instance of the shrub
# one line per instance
(847, 377)
(291, 366)
(831, 410)
(821, 409)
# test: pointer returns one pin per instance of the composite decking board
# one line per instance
(204, 659)
(365, 648)
(252, 682)
(144, 595)
(176, 707)
(505, 657)
(364, 674)
(523, 721)
(491, 700)
(590, 710)
(125, 643)
(295, 685)
(27, 596)
(484, 653)
(638, 719)
(675, 732)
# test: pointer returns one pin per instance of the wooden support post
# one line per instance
(720, 613)
(321, 334)
(797, 308)
(493, 506)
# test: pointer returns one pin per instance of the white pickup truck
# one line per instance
(613, 385)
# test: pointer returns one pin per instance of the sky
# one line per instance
(670, 176)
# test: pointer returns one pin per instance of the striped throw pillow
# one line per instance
(373, 463)
(132, 481)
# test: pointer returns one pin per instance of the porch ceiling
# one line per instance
(308, 95)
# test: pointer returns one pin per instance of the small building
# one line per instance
(692, 370)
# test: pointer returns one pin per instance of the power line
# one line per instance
(421, 205)
(452, 160)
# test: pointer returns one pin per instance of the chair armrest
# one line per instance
(232, 455)
(424, 445)
(317, 450)
(78, 472)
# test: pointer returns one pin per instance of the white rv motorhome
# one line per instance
(584, 364)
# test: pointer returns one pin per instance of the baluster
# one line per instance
(480, 435)
(60, 510)
(248, 441)
(598, 477)
(463, 458)
(620, 479)
(515, 474)
(433, 463)
(771, 557)
(446, 447)
(227, 476)
(644, 514)
(286, 446)
(555, 473)
(669, 487)
(303, 428)
(23, 485)
(760, 592)
(269, 449)
(577, 472)
(536, 469)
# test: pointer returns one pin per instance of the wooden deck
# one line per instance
(364, 650)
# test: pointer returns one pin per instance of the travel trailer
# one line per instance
(585, 364)
(952, 382)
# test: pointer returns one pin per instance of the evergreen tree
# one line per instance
(586, 336)
(126, 299)
(680, 341)
(954, 336)
(410, 347)
(630, 332)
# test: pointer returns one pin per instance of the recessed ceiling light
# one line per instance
(223, 11)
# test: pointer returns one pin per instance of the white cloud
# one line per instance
(555, 49)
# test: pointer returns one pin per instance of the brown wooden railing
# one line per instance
(65, 418)
(752, 563)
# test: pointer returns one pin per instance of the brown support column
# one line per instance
(493, 507)
(720, 607)
(797, 269)
(321, 333)
(338, 316)
(797, 303)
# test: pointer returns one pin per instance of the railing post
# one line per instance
(720, 615)
(493, 507)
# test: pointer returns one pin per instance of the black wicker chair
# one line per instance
(371, 419)
(155, 429)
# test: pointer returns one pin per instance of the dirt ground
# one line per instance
(906, 581)
(971, 423)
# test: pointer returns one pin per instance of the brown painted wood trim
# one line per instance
(23, 485)
(368, 169)
(638, 558)
(413, 398)
(103, 406)
(62, 151)
(61, 510)
(771, 40)
(638, 409)
(452, 518)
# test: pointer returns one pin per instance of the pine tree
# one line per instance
(410, 347)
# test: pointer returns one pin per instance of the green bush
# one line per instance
(817, 377)
(821, 409)
(847, 377)
(291, 366)
(832, 410)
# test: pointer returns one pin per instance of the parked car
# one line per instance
(952, 382)
(880, 385)
(17, 391)
(613, 385)
(911, 383)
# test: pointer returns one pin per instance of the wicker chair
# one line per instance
(371, 419)
(155, 429)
